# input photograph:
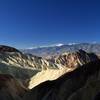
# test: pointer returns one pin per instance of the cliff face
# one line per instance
(75, 59)
(80, 84)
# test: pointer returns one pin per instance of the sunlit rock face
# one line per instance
(61, 77)
(12, 56)
(81, 84)
(49, 74)
(32, 68)
(22, 66)
(67, 62)
(75, 59)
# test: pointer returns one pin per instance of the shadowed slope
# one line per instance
(67, 62)
(66, 85)
(10, 88)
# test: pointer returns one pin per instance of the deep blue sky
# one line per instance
(27, 23)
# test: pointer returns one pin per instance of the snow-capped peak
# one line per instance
(53, 45)
(60, 44)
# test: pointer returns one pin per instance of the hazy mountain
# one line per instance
(49, 51)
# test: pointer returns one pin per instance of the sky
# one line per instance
(28, 23)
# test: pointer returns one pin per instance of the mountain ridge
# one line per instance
(81, 81)
(47, 52)
(27, 66)
(47, 79)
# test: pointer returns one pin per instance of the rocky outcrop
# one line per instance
(80, 84)
(37, 69)
(25, 61)
(75, 59)
(4, 48)
(67, 62)
(67, 76)
(13, 57)
(22, 66)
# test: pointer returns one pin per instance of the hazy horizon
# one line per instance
(51, 45)
(28, 23)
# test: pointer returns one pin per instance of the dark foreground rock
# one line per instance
(10, 88)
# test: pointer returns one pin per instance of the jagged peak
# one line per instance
(75, 59)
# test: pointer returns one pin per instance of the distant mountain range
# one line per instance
(54, 50)
(25, 66)
(72, 73)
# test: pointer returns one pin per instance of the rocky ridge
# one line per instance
(67, 62)
(81, 84)
(51, 77)
(32, 68)
(48, 52)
